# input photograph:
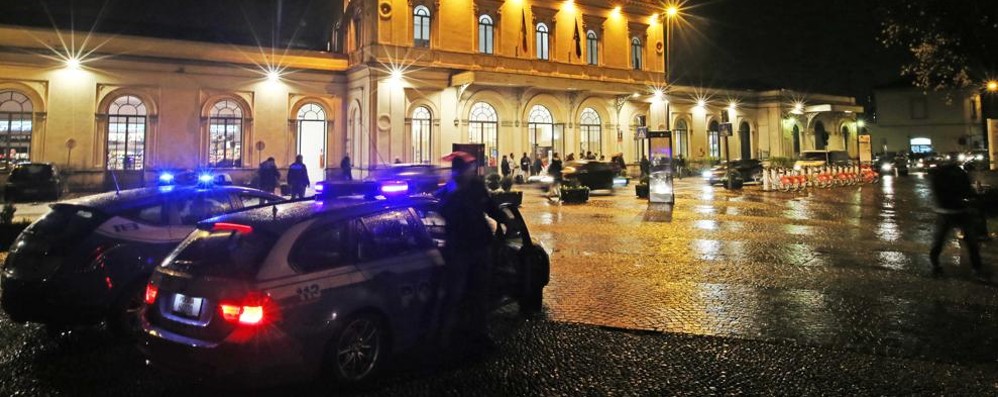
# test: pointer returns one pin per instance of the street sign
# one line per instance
(725, 129)
(642, 133)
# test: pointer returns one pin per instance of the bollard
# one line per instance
(765, 180)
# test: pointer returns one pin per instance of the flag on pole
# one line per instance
(523, 28)
(578, 41)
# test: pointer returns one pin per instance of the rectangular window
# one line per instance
(388, 234)
(592, 50)
(319, 248)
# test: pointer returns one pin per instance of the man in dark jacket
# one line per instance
(346, 165)
(463, 203)
(504, 167)
(525, 165)
(554, 169)
(953, 193)
(298, 178)
(268, 175)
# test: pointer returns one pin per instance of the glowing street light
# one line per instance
(273, 76)
(672, 11)
(73, 63)
(992, 86)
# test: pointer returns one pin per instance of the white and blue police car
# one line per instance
(329, 288)
(88, 259)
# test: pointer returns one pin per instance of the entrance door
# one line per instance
(312, 148)
(745, 137)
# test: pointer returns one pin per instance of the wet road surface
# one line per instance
(823, 293)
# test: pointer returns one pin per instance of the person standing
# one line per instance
(504, 167)
(525, 165)
(953, 193)
(680, 166)
(538, 165)
(467, 235)
(268, 175)
(645, 165)
(298, 178)
(346, 166)
(554, 169)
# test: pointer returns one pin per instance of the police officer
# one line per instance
(298, 178)
(463, 203)
(345, 165)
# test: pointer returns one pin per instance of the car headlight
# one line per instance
(962, 157)
(979, 157)
(885, 167)
(707, 174)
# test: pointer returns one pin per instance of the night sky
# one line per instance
(827, 46)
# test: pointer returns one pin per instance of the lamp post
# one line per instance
(671, 13)
(859, 129)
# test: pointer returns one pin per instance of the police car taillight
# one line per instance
(151, 291)
(254, 310)
(231, 227)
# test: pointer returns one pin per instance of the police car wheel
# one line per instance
(123, 320)
(357, 350)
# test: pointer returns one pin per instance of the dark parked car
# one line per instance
(595, 175)
(420, 178)
(750, 170)
(88, 259)
(332, 289)
(33, 180)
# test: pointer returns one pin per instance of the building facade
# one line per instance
(402, 80)
(910, 119)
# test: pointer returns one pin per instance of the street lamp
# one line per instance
(992, 86)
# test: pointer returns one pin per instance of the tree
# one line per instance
(954, 44)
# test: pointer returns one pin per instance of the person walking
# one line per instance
(953, 194)
(645, 165)
(504, 166)
(346, 166)
(268, 176)
(680, 166)
(467, 235)
(538, 166)
(554, 169)
(298, 178)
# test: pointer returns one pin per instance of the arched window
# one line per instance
(590, 132)
(126, 134)
(543, 41)
(486, 34)
(421, 26)
(421, 135)
(592, 48)
(15, 128)
(483, 127)
(714, 139)
(540, 127)
(682, 136)
(312, 140)
(637, 53)
(225, 134)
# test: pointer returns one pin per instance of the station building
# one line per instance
(399, 80)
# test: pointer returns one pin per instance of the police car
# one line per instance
(88, 259)
(329, 288)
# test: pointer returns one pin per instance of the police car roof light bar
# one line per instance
(335, 189)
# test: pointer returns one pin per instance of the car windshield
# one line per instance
(31, 172)
(221, 253)
(814, 156)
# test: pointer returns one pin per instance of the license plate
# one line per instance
(187, 306)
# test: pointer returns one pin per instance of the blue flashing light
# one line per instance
(319, 187)
(394, 188)
(205, 178)
(166, 178)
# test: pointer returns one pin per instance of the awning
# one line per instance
(824, 108)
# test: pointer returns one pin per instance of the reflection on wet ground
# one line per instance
(843, 267)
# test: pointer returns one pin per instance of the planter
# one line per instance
(574, 195)
(514, 198)
(641, 190)
(9, 232)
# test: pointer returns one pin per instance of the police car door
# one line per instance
(398, 260)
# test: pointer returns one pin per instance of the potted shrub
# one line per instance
(573, 192)
(507, 195)
(641, 189)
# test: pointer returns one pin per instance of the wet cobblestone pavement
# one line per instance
(826, 293)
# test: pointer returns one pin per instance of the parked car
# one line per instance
(33, 180)
(818, 158)
(88, 259)
(332, 288)
(750, 170)
(976, 159)
(595, 175)
(892, 164)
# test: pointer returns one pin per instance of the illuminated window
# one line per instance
(592, 48)
(483, 127)
(421, 26)
(542, 134)
(637, 51)
(543, 40)
(714, 139)
(15, 128)
(486, 34)
(225, 134)
(126, 134)
(590, 132)
(682, 134)
(421, 135)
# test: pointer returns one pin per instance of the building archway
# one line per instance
(745, 138)
(312, 125)
(820, 136)
(795, 135)
(16, 127)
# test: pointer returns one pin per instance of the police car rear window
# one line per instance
(223, 253)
